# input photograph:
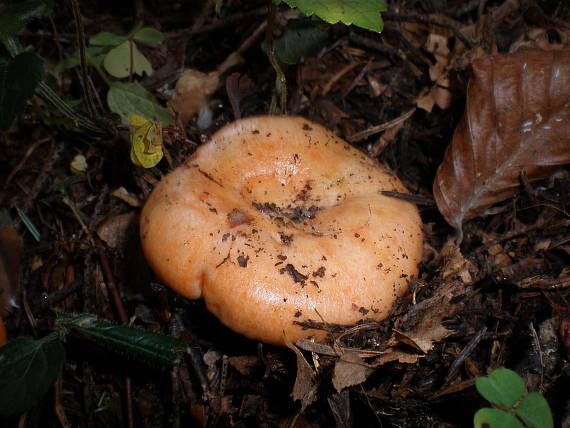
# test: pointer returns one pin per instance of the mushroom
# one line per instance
(276, 221)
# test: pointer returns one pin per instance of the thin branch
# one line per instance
(376, 129)
(82, 57)
(454, 26)
(281, 82)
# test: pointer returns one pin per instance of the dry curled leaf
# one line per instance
(350, 369)
(517, 119)
(422, 326)
(454, 265)
(244, 364)
(116, 230)
(305, 388)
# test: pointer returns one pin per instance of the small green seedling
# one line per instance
(515, 407)
(123, 57)
(119, 57)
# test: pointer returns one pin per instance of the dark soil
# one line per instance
(506, 288)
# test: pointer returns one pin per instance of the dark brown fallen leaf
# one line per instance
(517, 119)
(454, 265)
(350, 370)
(244, 364)
(422, 326)
(305, 388)
(116, 230)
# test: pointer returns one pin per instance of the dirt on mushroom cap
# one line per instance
(276, 221)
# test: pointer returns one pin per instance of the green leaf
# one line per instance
(494, 418)
(14, 17)
(218, 7)
(18, 81)
(144, 345)
(27, 369)
(131, 98)
(302, 38)
(91, 52)
(535, 411)
(118, 61)
(502, 387)
(29, 224)
(362, 13)
(149, 36)
(106, 39)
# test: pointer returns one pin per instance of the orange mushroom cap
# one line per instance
(275, 221)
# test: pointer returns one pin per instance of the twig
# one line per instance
(129, 398)
(509, 235)
(481, 8)
(375, 129)
(85, 87)
(251, 39)
(386, 49)
(281, 82)
(238, 17)
(24, 159)
(297, 97)
(58, 404)
(111, 286)
(56, 37)
(202, 16)
(416, 199)
(504, 10)
(99, 209)
(233, 58)
(464, 8)
(29, 314)
(469, 348)
(337, 76)
(77, 215)
(357, 79)
(538, 349)
(392, 53)
(545, 284)
(118, 303)
(454, 26)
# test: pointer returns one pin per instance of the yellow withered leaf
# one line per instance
(146, 141)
